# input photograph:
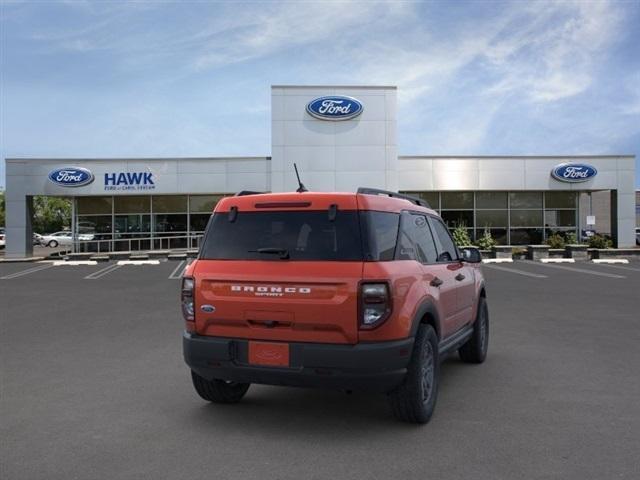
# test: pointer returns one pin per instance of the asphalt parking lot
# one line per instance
(94, 386)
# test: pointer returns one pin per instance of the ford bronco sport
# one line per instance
(353, 291)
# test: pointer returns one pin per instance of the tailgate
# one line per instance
(278, 300)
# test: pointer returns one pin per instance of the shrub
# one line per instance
(570, 238)
(486, 241)
(600, 241)
(556, 241)
(461, 235)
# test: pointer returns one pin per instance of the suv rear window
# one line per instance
(303, 235)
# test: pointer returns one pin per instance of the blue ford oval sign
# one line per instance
(336, 107)
(71, 177)
(573, 172)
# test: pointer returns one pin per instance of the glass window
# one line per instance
(491, 200)
(380, 232)
(165, 223)
(526, 236)
(416, 241)
(492, 218)
(94, 205)
(132, 223)
(306, 235)
(132, 204)
(203, 203)
(560, 218)
(525, 199)
(169, 204)
(559, 231)
(498, 234)
(560, 200)
(526, 218)
(457, 200)
(199, 221)
(453, 218)
(432, 198)
(447, 251)
(94, 224)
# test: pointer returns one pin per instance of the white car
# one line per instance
(63, 238)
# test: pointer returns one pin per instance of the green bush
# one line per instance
(570, 238)
(461, 235)
(556, 241)
(600, 241)
(486, 241)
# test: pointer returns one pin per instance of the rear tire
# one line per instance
(415, 400)
(475, 349)
(219, 391)
(53, 244)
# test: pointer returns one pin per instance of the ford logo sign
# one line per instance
(573, 172)
(334, 108)
(71, 177)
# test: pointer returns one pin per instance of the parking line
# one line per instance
(631, 269)
(579, 270)
(177, 272)
(102, 272)
(26, 272)
(513, 270)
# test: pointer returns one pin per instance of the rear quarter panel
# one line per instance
(408, 292)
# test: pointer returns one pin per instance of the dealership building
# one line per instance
(341, 138)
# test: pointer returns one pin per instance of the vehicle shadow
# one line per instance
(334, 415)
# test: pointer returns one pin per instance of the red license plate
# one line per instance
(269, 354)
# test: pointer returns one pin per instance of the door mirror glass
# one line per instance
(471, 255)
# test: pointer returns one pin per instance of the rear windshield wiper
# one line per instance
(283, 252)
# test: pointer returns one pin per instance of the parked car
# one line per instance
(637, 236)
(348, 291)
(63, 238)
(586, 235)
(2, 239)
(38, 239)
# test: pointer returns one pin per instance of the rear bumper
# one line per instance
(377, 367)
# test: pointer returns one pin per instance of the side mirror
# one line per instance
(471, 255)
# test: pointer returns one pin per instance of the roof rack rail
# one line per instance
(376, 191)
(242, 193)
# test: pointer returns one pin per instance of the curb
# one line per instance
(610, 260)
(139, 262)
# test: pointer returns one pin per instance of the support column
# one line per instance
(18, 230)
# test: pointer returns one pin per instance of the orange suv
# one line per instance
(352, 291)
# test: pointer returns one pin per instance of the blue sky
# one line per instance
(113, 79)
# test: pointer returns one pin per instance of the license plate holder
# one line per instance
(269, 354)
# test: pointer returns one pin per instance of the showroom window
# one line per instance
(517, 218)
(457, 210)
(200, 209)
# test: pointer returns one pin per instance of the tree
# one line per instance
(51, 214)
(2, 215)
(460, 235)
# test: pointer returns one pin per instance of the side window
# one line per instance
(447, 251)
(416, 241)
(379, 234)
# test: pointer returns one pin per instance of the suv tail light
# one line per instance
(375, 304)
(187, 299)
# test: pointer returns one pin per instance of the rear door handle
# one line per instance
(459, 277)
(436, 282)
